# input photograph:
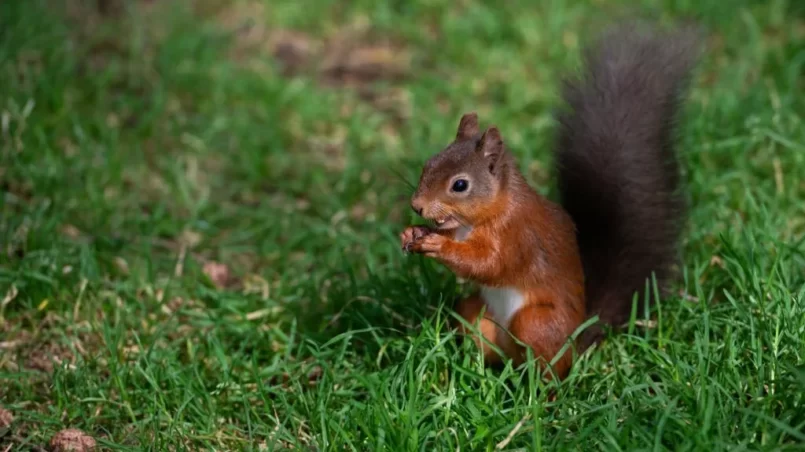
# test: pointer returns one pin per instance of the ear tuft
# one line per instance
(468, 126)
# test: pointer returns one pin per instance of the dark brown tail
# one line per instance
(617, 166)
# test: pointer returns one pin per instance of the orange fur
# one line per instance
(469, 309)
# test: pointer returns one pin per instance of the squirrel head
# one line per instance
(460, 185)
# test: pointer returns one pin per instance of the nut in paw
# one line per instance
(411, 235)
(429, 245)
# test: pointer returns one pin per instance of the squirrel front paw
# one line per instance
(430, 245)
(411, 235)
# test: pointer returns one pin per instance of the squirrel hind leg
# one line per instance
(469, 309)
(535, 326)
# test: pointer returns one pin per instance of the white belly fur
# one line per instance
(502, 303)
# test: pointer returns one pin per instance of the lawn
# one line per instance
(200, 204)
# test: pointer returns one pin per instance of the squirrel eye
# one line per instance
(460, 185)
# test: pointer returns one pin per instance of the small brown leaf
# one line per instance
(6, 418)
(112, 121)
(72, 440)
(256, 284)
(190, 238)
(218, 273)
(11, 345)
(314, 375)
(292, 49)
(70, 231)
(122, 265)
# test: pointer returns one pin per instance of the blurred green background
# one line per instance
(200, 205)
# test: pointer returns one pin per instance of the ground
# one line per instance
(200, 208)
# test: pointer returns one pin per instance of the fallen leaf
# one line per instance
(259, 314)
(6, 418)
(256, 284)
(190, 238)
(716, 261)
(10, 296)
(314, 375)
(72, 440)
(218, 273)
(70, 231)
(292, 49)
(11, 345)
(122, 265)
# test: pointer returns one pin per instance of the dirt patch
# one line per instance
(358, 58)
(353, 56)
(44, 351)
(293, 50)
(47, 356)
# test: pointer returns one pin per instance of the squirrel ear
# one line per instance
(468, 126)
(491, 145)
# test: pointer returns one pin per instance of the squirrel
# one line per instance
(543, 267)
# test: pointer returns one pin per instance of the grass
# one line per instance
(144, 149)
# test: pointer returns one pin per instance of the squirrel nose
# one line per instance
(416, 204)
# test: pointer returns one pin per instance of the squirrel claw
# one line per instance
(411, 235)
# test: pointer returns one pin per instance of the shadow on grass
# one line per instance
(378, 307)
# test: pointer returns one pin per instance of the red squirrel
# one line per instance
(544, 267)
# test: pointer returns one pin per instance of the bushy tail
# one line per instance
(616, 162)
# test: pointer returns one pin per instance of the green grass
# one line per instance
(135, 149)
